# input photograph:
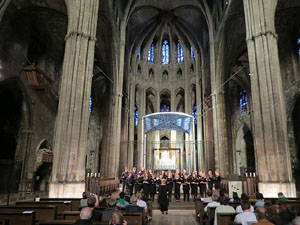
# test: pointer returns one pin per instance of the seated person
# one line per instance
(223, 208)
(83, 201)
(244, 197)
(117, 218)
(260, 213)
(96, 216)
(214, 203)
(235, 197)
(140, 202)
(85, 216)
(208, 199)
(122, 203)
(260, 202)
(107, 213)
(105, 198)
(246, 217)
(281, 197)
(133, 207)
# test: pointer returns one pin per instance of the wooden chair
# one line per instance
(225, 218)
(210, 215)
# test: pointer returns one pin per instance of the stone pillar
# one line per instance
(130, 154)
(70, 141)
(270, 128)
(142, 108)
(3, 6)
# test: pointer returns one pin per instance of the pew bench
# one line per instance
(225, 218)
(18, 218)
(41, 212)
(61, 205)
(74, 201)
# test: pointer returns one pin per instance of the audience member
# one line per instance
(208, 198)
(296, 221)
(122, 203)
(223, 208)
(235, 197)
(96, 216)
(85, 216)
(260, 202)
(246, 217)
(261, 217)
(133, 207)
(244, 198)
(105, 198)
(83, 201)
(281, 197)
(111, 207)
(117, 218)
(214, 203)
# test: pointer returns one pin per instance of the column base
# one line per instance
(66, 190)
(270, 189)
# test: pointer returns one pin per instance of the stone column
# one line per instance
(130, 154)
(142, 108)
(3, 6)
(270, 128)
(68, 173)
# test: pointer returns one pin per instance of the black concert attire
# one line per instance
(124, 176)
(217, 182)
(169, 187)
(177, 182)
(202, 184)
(163, 198)
(194, 187)
(146, 187)
(135, 178)
(210, 183)
(186, 188)
(152, 188)
(129, 185)
(138, 184)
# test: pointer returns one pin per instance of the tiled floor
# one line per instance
(175, 217)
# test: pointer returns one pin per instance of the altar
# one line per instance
(166, 159)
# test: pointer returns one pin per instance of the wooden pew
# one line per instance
(67, 222)
(225, 218)
(4, 222)
(41, 212)
(17, 218)
(75, 201)
(61, 205)
(137, 218)
(210, 215)
(71, 215)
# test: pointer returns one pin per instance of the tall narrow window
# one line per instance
(298, 45)
(139, 53)
(243, 102)
(151, 53)
(179, 53)
(165, 52)
(91, 104)
(192, 53)
(136, 116)
(165, 108)
(194, 113)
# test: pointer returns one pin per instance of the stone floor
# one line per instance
(175, 217)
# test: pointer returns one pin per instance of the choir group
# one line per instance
(146, 181)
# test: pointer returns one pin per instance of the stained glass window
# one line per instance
(151, 53)
(139, 53)
(179, 53)
(91, 104)
(165, 108)
(243, 102)
(298, 44)
(192, 53)
(136, 116)
(194, 113)
(165, 52)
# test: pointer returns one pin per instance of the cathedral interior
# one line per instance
(77, 77)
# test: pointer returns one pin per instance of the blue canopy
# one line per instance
(167, 121)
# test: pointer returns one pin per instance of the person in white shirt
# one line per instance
(246, 217)
(214, 203)
(244, 197)
(208, 199)
(223, 208)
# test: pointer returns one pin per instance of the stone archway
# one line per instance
(244, 151)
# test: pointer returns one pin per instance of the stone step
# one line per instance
(177, 205)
